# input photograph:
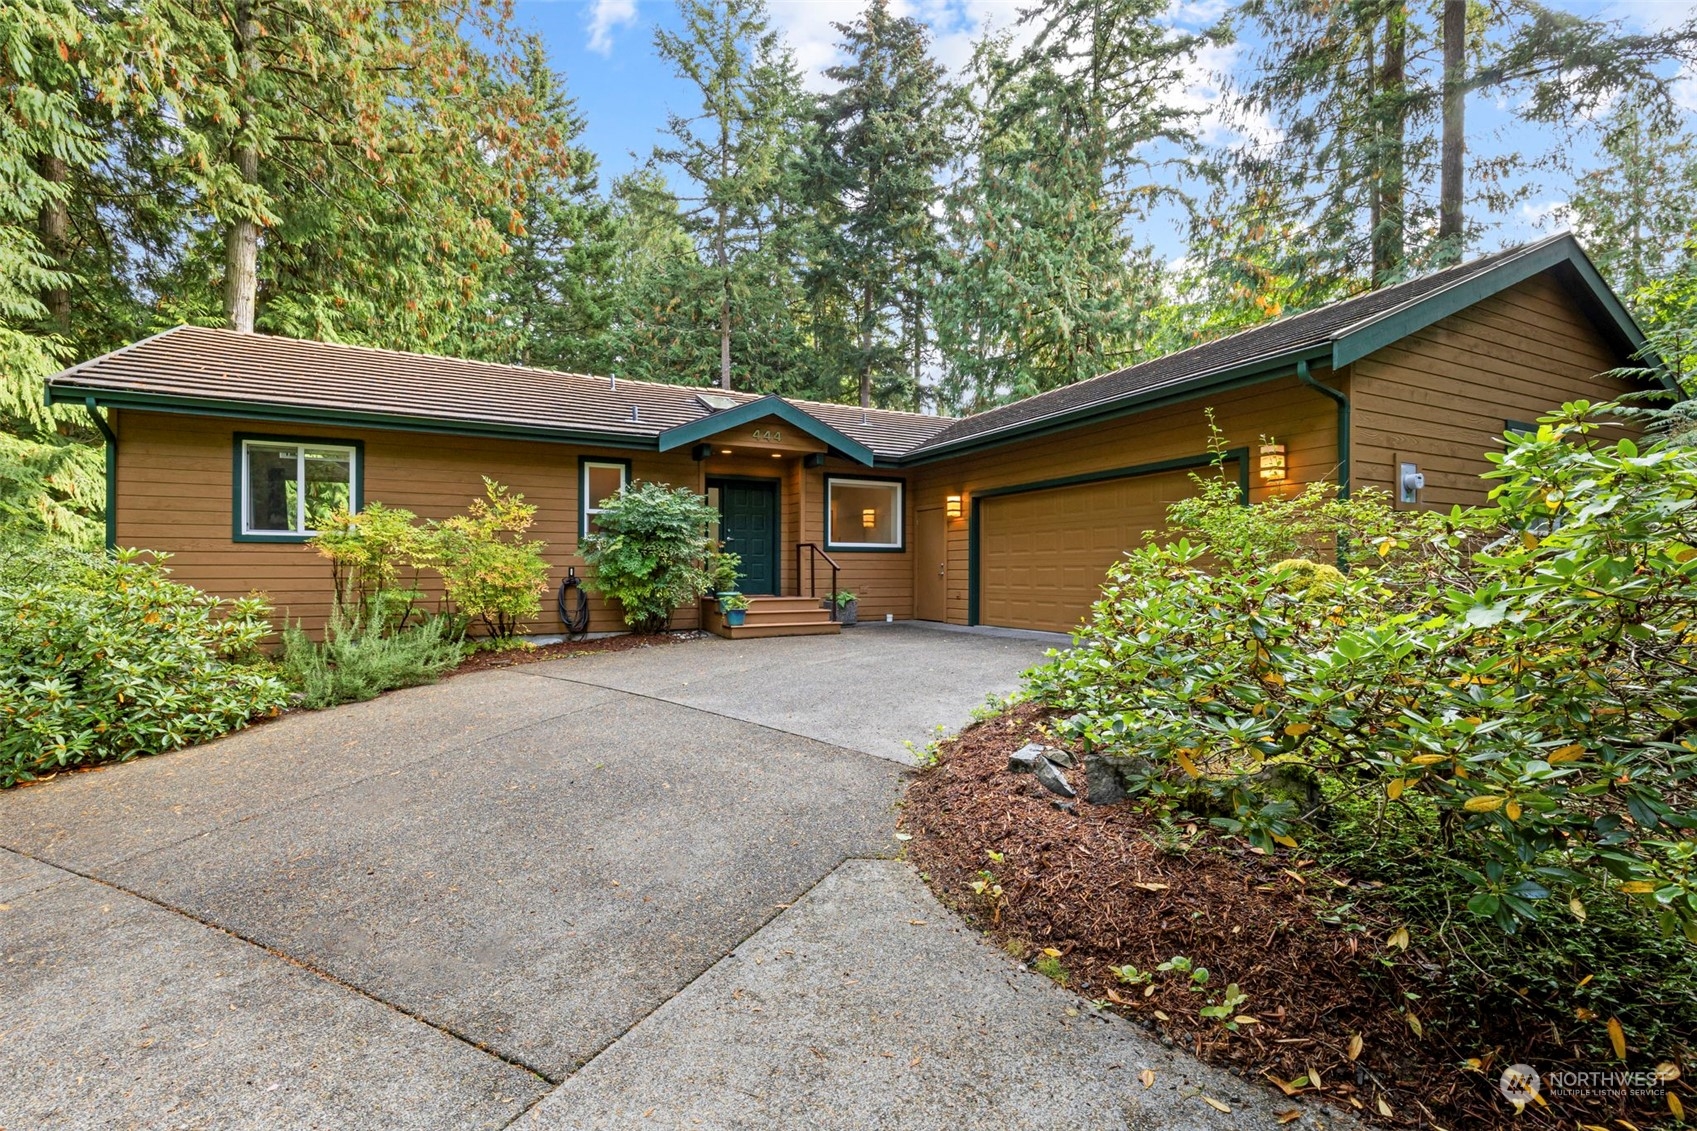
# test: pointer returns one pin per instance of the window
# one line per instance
(863, 514)
(598, 481)
(287, 489)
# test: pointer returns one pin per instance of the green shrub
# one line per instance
(370, 553)
(104, 659)
(1518, 680)
(489, 571)
(650, 552)
(361, 659)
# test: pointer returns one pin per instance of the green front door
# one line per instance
(748, 525)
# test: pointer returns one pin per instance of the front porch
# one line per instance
(773, 616)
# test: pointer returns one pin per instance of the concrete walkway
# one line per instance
(645, 888)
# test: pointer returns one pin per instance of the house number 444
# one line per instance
(768, 435)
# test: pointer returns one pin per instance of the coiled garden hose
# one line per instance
(574, 605)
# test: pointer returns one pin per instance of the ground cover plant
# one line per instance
(1467, 754)
(105, 658)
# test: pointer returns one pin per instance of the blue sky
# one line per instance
(605, 49)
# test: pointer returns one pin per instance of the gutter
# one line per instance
(1307, 378)
(111, 472)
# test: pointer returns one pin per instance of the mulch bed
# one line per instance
(1108, 885)
(511, 657)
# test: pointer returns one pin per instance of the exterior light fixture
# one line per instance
(1272, 463)
(724, 451)
(777, 455)
(869, 518)
(952, 506)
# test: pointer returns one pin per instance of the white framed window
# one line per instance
(287, 489)
(863, 514)
(598, 481)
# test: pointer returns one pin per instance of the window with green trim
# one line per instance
(290, 489)
(863, 514)
(602, 479)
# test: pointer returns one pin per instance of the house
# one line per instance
(222, 447)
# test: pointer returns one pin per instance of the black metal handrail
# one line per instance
(815, 553)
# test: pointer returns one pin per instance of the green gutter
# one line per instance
(1307, 378)
(111, 473)
(332, 418)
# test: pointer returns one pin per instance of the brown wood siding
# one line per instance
(175, 495)
(1440, 398)
(1302, 419)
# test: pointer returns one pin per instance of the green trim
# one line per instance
(776, 486)
(901, 512)
(1181, 463)
(1421, 313)
(238, 473)
(1307, 378)
(750, 411)
(111, 447)
(583, 463)
(388, 422)
(1252, 373)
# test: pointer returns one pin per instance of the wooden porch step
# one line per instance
(773, 616)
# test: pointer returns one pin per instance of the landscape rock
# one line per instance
(1058, 756)
(1102, 782)
(1025, 759)
(1051, 778)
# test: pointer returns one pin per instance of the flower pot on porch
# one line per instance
(734, 617)
(848, 612)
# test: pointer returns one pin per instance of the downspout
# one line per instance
(1307, 378)
(111, 473)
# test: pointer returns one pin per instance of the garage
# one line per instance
(1043, 554)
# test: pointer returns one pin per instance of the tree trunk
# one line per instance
(1389, 246)
(866, 347)
(1451, 218)
(725, 338)
(54, 226)
(241, 242)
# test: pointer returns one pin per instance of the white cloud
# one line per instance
(606, 17)
(956, 25)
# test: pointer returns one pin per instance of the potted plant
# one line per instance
(722, 566)
(735, 608)
(848, 607)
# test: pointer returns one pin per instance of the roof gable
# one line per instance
(773, 406)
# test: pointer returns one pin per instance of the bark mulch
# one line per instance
(1107, 886)
(536, 654)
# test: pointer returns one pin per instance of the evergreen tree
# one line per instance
(551, 299)
(883, 141)
(737, 153)
(1047, 285)
(1637, 210)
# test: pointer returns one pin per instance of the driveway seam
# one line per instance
(325, 792)
(778, 909)
(299, 965)
(907, 767)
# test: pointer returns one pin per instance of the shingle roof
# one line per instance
(1279, 342)
(193, 364)
(195, 369)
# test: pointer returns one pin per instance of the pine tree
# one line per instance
(1637, 210)
(551, 299)
(1047, 285)
(735, 152)
(883, 140)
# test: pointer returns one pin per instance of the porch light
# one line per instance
(869, 518)
(724, 451)
(1272, 462)
(952, 506)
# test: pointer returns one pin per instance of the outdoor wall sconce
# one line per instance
(1272, 463)
(869, 518)
(951, 506)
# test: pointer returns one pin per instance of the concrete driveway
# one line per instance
(644, 888)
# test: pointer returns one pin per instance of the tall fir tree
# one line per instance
(737, 154)
(884, 139)
(1048, 285)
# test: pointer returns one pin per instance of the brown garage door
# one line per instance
(1044, 554)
